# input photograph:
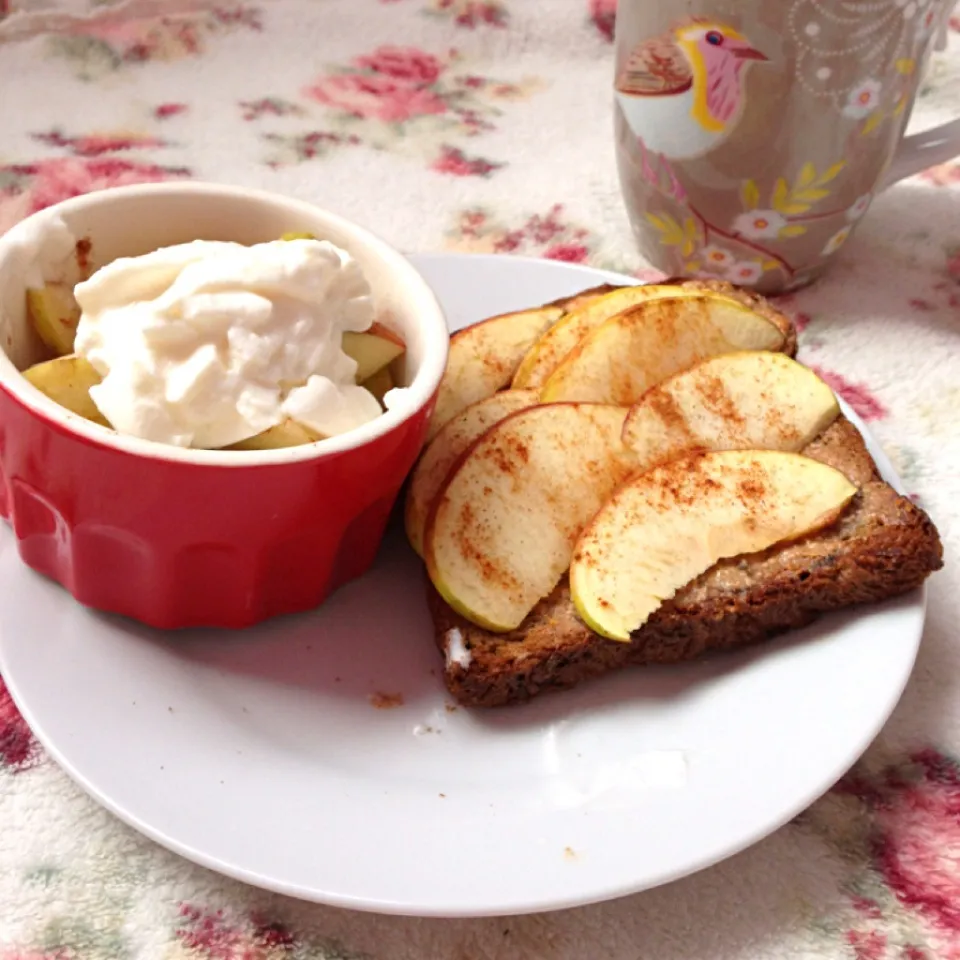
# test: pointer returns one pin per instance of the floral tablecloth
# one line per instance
(484, 125)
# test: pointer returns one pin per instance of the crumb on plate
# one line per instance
(386, 701)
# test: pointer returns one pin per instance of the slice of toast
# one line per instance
(881, 546)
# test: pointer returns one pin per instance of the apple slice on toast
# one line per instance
(501, 530)
(653, 340)
(484, 357)
(672, 523)
(565, 335)
(445, 449)
(757, 400)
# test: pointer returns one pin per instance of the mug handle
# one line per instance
(922, 150)
(926, 149)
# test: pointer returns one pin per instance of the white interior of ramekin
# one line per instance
(127, 221)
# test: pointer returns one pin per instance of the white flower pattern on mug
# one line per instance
(744, 272)
(837, 241)
(859, 207)
(759, 224)
(716, 257)
(877, 35)
(863, 99)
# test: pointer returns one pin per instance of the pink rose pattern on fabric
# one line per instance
(269, 107)
(903, 841)
(395, 98)
(395, 84)
(406, 64)
(96, 145)
(470, 14)
(603, 15)
(919, 843)
(953, 266)
(167, 110)
(455, 162)
(102, 43)
(864, 403)
(943, 175)
(18, 749)
(550, 235)
(28, 187)
(213, 935)
(375, 96)
(392, 84)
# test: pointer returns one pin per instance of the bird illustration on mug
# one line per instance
(682, 94)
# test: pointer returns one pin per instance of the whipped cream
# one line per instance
(457, 650)
(208, 343)
(47, 251)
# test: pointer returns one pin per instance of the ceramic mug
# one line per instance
(753, 135)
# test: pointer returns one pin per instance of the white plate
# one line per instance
(259, 754)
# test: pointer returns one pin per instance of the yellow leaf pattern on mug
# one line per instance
(673, 234)
(781, 195)
(831, 172)
(812, 195)
(806, 176)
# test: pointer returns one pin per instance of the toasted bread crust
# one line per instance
(882, 545)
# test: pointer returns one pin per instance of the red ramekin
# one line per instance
(181, 538)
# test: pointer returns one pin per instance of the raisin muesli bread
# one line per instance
(881, 546)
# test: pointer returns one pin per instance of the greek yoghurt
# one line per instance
(208, 343)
